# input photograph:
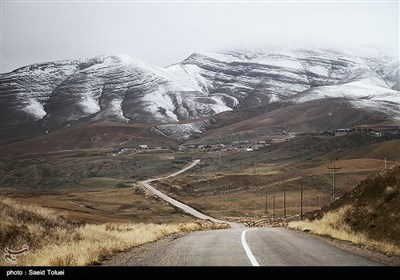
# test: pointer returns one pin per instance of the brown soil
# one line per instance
(375, 207)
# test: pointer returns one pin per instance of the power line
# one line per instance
(319, 200)
(284, 203)
(334, 168)
(385, 163)
(266, 202)
(301, 202)
(273, 206)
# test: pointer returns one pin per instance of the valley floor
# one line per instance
(95, 191)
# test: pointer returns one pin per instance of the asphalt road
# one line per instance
(265, 247)
(237, 246)
(187, 209)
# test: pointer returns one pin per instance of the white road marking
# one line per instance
(246, 247)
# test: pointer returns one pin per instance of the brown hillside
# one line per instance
(373, 207)
(312, 116)
(53, 240)
(90, 135)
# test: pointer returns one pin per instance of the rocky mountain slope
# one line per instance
(42, 98)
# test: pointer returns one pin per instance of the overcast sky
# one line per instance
(166, 33)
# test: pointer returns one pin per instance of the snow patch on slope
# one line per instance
(189, 76)
(220, 106)
(279, 61)
(367, 92)
(116, 109)
(112, 110)
(359, 89)
(35, 109)
(275, 57)
(319, 70)
(160, 99)
(388, 107)
(182, 132)
(89, 105)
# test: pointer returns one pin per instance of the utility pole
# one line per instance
(334, 168)
(319, 201)
(301, 202)
(273, 206)
(385, 163)
(284, 203)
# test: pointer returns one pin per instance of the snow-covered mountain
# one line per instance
(56, 94)
(257, 78)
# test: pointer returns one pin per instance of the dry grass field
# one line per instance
(95, 186)
(56, 241)
(333, 224)
(104, 204)
(237, 197)
(90, 193)
(368, 215)
(244, 194)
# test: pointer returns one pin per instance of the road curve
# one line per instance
(187, 209)
(237, 246)
(268, 247)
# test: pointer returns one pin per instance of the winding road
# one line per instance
(238, 246)
(187, 209)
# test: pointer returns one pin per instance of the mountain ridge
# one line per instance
(54, 95)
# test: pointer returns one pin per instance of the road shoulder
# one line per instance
(374, 255)
(124, 258)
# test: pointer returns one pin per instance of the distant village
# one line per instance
(234, 146)
(250, 146)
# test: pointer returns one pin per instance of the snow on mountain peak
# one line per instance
(124, 58)
(119, 88)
